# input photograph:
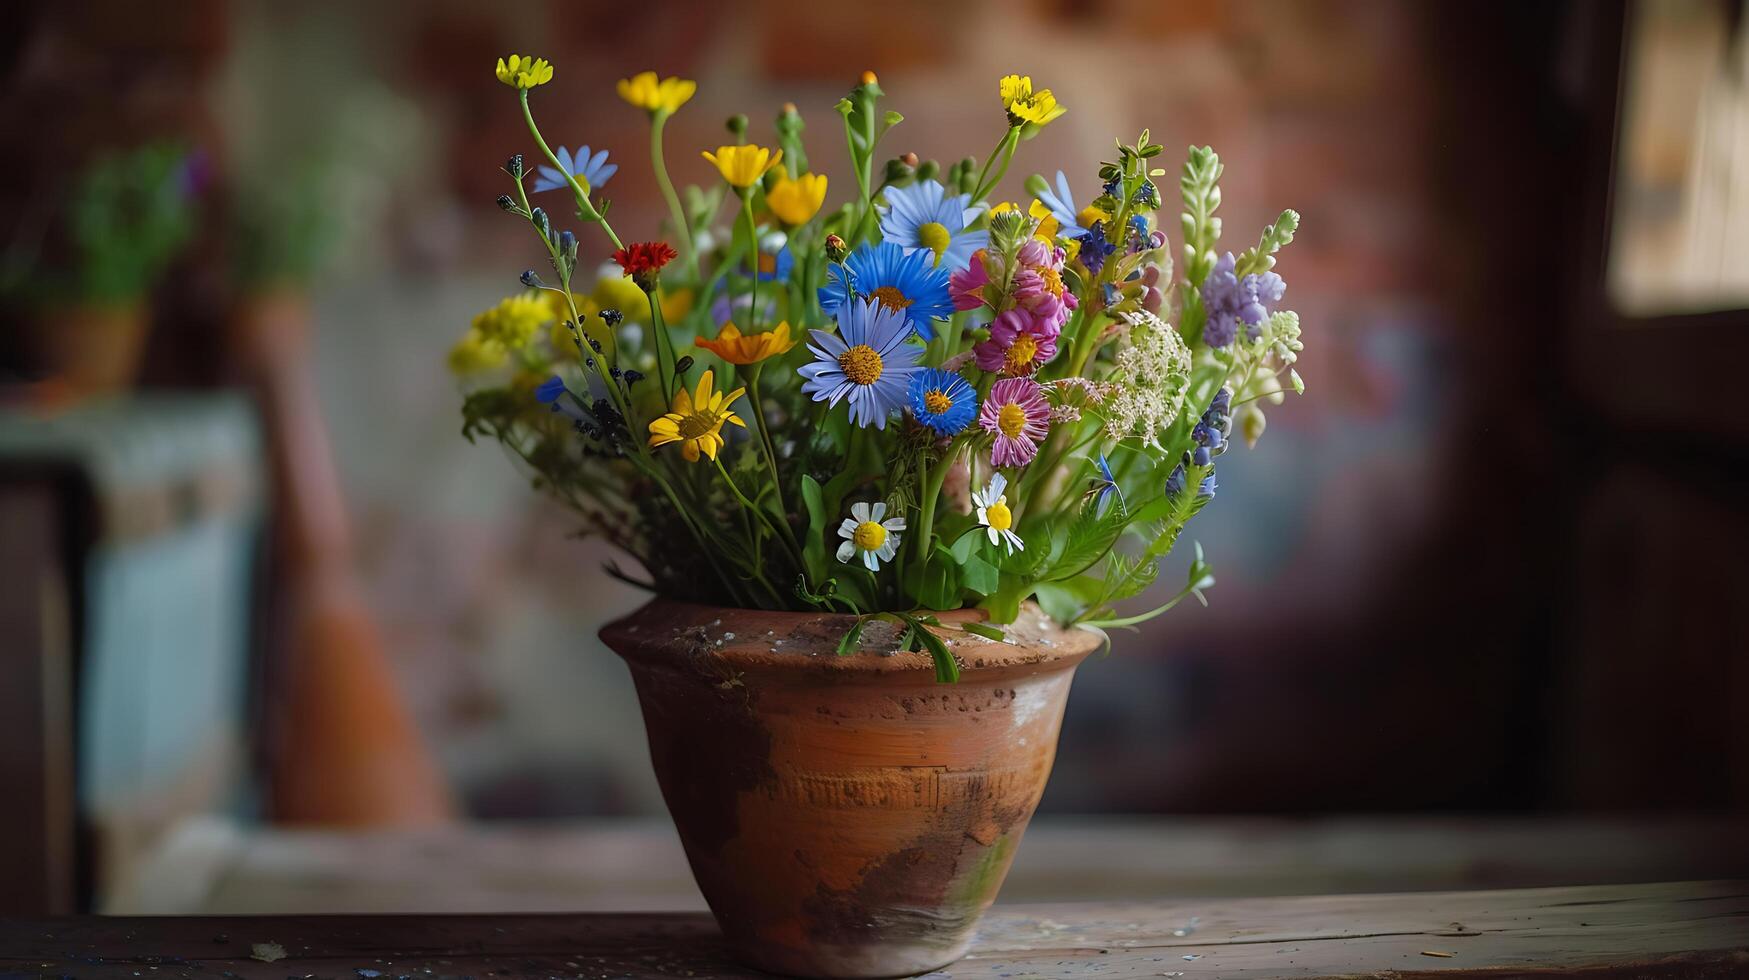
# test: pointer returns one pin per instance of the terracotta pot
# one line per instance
(846, 816)
(95, 349)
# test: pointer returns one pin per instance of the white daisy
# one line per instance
(993, 513)
(864, 532)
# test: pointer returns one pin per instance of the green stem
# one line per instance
(764, 521)
(753, 251)
(1004, 149)
(765, 433)
(931, 493)
(585, 208)
(658, 122)
(665, 357)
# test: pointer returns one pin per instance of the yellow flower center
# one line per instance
(861, 364)
(891, 298)
(998, 515)
(1011, 419)
(1019, 357)
(935, 401)
(697, 424)
(868, 536)
(934, 235)
(1053, 280)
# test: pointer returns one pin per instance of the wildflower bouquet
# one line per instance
(917, 399)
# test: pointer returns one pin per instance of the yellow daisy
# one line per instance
(743, 166)
(645, 92)
(697, 420)
(522, 71)
(738, 348)
(1024, 105)
(795, 201)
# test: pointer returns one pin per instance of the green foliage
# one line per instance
(1261, 257)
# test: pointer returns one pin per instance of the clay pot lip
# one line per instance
(674, 632)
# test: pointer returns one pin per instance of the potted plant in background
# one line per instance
(87, 277)
(889, 468)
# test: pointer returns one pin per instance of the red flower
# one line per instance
(642, 260)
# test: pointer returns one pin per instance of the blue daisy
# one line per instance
(923, 217)
(908, 284)
(871, 365)
(593, 171)
(942, 400)
(1062, 205)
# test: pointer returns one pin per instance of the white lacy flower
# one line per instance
(1149, 380)
(866, 534)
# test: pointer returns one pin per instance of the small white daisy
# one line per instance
(864, 532)
(993, 513)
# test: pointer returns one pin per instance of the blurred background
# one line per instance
(277, 639)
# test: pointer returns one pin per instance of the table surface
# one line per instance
(636, 865)
(1686, 930)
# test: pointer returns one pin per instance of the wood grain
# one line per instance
(1683, 930)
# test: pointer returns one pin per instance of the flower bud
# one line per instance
(568, 244)
(530, 279)
(514, 167)
(542, 223)
(928, 170)
(836, 249)
(683, 365)
(505, 203)
(910, 159)
(1251, 423)
(737, 125)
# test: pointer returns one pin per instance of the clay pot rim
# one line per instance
(675, 632)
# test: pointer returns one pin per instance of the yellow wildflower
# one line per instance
(697, 420)
(743, 166)
(738, 348)
(515, 321)
(1024, 105)
(474, 354)
(676, 303)
(619, 293)
(521, 71)
(645, 92)
(795, 201)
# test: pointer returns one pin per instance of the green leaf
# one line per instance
(940, 587)
(847, 644)
(1068, 601)
(947, 670)
(1089, 539)
(814, 543)
(987, 632)
(979, 575)
(1003, 605)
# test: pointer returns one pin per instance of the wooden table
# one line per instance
(1686, 930)
(637, 865)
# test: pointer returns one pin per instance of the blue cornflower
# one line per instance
(907, 284)
(1106, 487)
(871, 365)
(1095, 249)
(550, 390)
(1062, 205)
(592, 171)
(1231, 300)
(924, 217)
(942, 400)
